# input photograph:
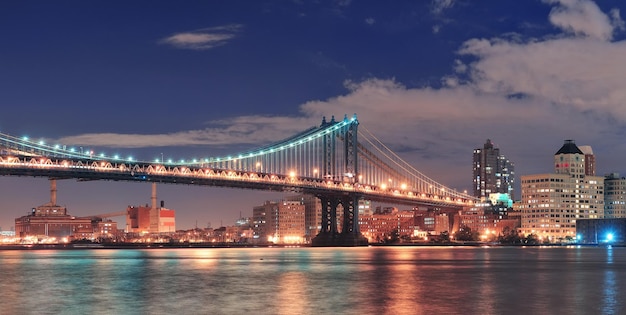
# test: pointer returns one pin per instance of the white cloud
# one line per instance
(438, 6)
(202, 39)
(527, 96)
(370, 21)
(582, 17)
(240, 130)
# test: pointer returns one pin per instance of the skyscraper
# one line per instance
(551, 203)
(493, 172)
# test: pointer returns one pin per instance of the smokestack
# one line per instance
(53, 192)
(154, 197)
(154, 212)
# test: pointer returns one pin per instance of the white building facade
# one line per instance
(551, 203)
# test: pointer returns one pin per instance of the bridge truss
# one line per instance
(334, 161)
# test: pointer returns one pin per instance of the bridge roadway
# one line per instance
(88, 169)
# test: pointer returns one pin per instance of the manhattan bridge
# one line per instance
(335, 161)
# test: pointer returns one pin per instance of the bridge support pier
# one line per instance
(350, 234)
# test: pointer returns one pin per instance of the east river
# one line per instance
(366, 280)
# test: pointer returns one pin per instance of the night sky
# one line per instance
(432, 79)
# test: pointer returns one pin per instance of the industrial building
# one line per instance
(51, 221)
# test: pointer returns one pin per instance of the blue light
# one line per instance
(609, 237)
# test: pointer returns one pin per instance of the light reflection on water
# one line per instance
(368, 280)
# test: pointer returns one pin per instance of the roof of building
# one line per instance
(569, 147)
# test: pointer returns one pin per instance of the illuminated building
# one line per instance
(552, 203)
(381, 225)
(590, 160)
(138, 219)
(259, 221)
(51, 221)
(279, 222)
(312, 214)
(492, 172)
(614, 196)
(150, 219)
(365, 207)
(484, 221)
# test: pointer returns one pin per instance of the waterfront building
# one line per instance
(614, 196)
(279, 222)
(259, 221)
(492, 172)
(138, 219)
(312, 214)
(52, 222)
(485, 221)
(552, 203)
(382, 226)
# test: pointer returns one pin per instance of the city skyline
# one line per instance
(432, 80)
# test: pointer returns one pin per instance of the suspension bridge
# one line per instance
(335, 161)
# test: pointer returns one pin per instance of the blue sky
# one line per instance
(432, 79)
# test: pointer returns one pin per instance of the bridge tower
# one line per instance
(350, 234)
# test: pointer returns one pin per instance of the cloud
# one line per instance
(527, 95)
(370, 21)
(583, 17)
(249, 130)
(438, 6)
(203, 39)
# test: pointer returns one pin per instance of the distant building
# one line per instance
(138, 219)
(52, 221)
(551, 204)
(590, 160)
(492, 172)
(280, 222)
(312, 214)
(485, 221)
(614, 196)
(380, 226)
(259, 221)
(365, 207)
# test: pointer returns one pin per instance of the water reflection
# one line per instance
(374, 280)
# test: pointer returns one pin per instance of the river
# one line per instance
(364, 280)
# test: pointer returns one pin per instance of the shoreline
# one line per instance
(78, 246)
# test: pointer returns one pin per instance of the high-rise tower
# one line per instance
(493, 172)
(551, 203)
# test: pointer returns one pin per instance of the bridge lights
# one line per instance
(383, 186)
(403, 186)
(292, 175)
